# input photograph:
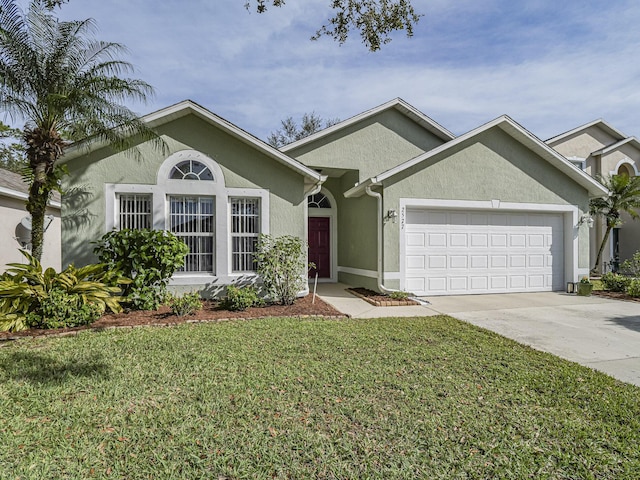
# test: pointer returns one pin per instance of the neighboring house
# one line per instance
(386, 199)
(16, 221)
(601, 150)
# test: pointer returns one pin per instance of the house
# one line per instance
(16, 222)
(601, 150)
(388, 199)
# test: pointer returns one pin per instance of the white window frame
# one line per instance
(165, 187)
(194, 234)
(134, 217)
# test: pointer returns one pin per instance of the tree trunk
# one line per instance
(44, 147)
(602, 245)
(37, 207)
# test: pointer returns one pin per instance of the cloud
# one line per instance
(549, 65)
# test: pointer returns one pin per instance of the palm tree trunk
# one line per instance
(601, 249)
(37, 207)
(44, 147)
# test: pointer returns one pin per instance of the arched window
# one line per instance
(190, 170)
(625, 169)
(319, 200)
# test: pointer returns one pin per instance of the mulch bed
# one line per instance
(211, 312)
(614, 295)
(378, 300)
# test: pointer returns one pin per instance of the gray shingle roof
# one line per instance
(13, 181)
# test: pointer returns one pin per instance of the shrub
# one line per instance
(634, 288)
(240, 298)
(282, 263)
(61, 309)
(615, 282)
(29, 295)
(632, 265)
(184, 305)
(148, 257)
(399, 295)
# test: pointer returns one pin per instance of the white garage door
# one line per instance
(451, 252)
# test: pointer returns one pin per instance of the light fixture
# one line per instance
(586, 218)
(392, 215)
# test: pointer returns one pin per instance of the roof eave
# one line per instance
(184, 108)
(397, 103)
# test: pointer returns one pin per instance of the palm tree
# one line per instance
(624, 196)
(66, 86)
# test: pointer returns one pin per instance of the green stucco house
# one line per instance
(387, 199)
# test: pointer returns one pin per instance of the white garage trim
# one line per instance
(569, 214)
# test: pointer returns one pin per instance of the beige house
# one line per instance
(15, 233)
(601, 150)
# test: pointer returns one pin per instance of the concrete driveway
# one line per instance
(593, 331)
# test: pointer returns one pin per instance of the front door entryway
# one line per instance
(320, 246)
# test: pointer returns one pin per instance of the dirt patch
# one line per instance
(211, 312)
(614, 295)
(379, 300)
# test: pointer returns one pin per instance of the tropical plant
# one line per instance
(240, 298)
(282, 263)
(633, 289)
(615, 282)
(66, 86)
(148, 257)
(632, 265)
(184, 305)
(624, 196)
(26, 291)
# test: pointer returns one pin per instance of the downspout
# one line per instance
(381, 286)
(316, 189)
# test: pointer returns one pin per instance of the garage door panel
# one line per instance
(437, 239)
(458, 240)
(455, 252)
(479, 240)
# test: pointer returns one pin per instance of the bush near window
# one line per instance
(240, 298)
(33, 297)
(148, 257)
(184, 305)
(634, 288)
(615, 282)
(282, 263)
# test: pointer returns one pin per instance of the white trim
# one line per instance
(332, 214)
(601, 123)
(627, 161)
(615, 146)
(570, 230)
(403, 107)
(216, 188)
(188, 107)
(358, 271)
(8, 192)
(514, 130)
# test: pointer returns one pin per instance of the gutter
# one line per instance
(380, 278)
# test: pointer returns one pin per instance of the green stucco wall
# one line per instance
(84, 204)
(371, 146)
(491, 166)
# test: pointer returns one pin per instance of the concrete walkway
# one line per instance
(593, 331)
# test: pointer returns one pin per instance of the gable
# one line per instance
(489, 166)
(370, 146)
(242, 165)
(584, 141)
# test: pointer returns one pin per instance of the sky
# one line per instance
(550, 65)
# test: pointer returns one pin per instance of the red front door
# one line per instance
(319, 246)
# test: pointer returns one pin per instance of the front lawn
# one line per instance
(289, 398)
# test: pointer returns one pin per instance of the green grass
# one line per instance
(282, 398)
